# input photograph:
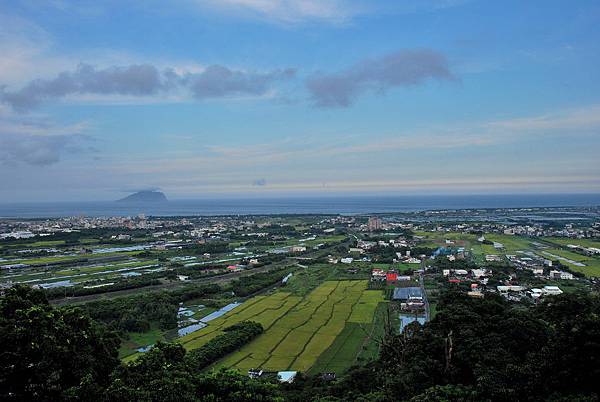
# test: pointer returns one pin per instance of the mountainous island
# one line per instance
(145, 196)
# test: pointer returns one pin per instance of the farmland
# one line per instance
(548, 248)
(297, 329)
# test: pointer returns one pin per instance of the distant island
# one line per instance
(145, 196)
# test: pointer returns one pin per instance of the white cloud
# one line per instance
(570, 119)
(288, 11)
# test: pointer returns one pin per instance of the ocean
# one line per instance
(307, 205)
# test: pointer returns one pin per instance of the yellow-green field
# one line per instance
(297, 329)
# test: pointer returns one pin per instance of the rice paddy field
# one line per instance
(82, 272)
(298, 329)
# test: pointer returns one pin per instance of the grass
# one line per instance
(592, 264)
(577, 242)
(137, 340)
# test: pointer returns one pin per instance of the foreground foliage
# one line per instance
(474, 350)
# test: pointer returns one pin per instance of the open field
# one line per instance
(297, 329)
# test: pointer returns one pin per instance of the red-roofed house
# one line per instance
(391, 277)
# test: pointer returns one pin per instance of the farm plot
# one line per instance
(359, 341)
(588, 265)
(262, 309)
(298, 338)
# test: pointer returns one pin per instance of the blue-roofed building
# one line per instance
(403, 294)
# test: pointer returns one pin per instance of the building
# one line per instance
(552, 290)
(510, 288)
(391, 278)
(561, 275)
(286, 376)
(404, 294)
(374, 224)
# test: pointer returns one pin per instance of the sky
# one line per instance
(265, 98)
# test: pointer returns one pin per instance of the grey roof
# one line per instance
(405, 293)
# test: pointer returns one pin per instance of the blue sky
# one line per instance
(213, 98)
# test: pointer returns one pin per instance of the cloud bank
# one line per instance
(32, 150)
(400, 69)
(143, 80)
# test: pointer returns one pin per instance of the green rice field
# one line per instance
(297, 329)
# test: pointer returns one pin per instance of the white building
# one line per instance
(552, 290)
(561, 275)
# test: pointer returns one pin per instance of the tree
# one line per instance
(45, 351)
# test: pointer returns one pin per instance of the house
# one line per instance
(561, 275)
(287, 376)
(551, 290)
(537, 271)
(378, 274)
(404, 294)
(510, 288)
(328, 376)
(391, 277)
(536, 293)
(478, 273)
(415, 302)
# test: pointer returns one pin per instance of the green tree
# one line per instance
(45, 351)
